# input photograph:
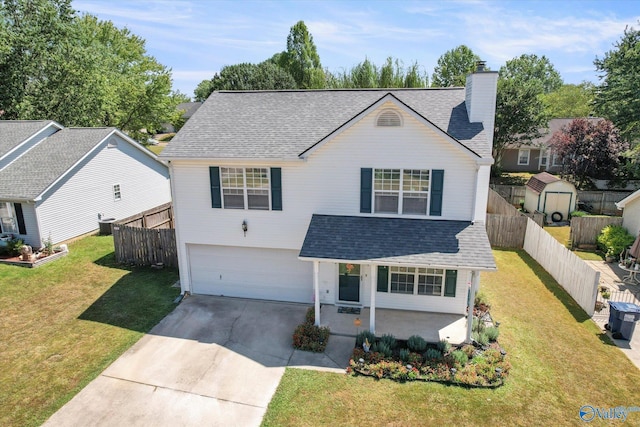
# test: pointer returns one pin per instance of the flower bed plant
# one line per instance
(309, 337)
(481, 364)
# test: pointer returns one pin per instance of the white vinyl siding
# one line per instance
(71, 207)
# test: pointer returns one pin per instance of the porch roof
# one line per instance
(437, 243)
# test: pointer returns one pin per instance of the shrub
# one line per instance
(432, 354)
(404, 354)
(481, 300)
(47, 246)
(579, 214)
(444, 346)
(492, 333)
(310, 316)
(416, 343)
(614, 239)
(309, 337)
(365, 335)
(459, 357)
(480, 337)
(389, 340)
(478, 325)
(469, 350)
(383, 348)
(14, 246)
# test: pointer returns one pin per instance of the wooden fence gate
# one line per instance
(145, 246)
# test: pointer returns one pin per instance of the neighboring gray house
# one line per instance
(54, 181)
(536, 156)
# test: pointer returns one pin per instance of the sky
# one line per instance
(196, 38)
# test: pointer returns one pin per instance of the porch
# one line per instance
(400, 323)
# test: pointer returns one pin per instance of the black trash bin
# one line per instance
(623, 318)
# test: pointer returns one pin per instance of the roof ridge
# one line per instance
(380, 89)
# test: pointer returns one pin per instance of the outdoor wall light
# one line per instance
(244, 227)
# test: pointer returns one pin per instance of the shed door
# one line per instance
(557, 202)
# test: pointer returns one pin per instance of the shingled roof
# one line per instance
(446, 244)
(15, 132)
(284, 124)
(539, 181)
(33, 172)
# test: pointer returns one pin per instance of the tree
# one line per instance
(618, 95)
(533, 70)
(570, 101)
(263, 76)
(520, 115)
(78, 71)
(589, 149)
(453, 67)
(367, 75)
(301, 58)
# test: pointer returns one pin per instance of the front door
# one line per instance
(349, 282)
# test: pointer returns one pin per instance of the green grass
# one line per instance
(560, 359)
(561, 234)
(156, 149)
(63, 323)
(512, 178)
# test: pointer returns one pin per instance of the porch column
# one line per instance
(374, 288)
(475, 284)
(316, 291)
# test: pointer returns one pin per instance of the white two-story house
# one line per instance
(371, 197)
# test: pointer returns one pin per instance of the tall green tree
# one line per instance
(533, 70)
(79, 71)
(245, 76)
(301, 58)
(618, 94)
(453, 67)
(570, 101)
(390, 75)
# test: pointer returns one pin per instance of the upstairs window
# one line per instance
(245, 187)
(403, 191)
(389, 118)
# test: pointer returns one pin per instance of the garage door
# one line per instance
(274, 274)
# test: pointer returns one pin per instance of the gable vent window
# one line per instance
(112, 143)
(389, 118)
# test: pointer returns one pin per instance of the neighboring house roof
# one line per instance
(285, 124)
(554, 125)
(446, 244)
(33, 172)
(189, 108)
(538, 182)
(630, 198)
(15, 132)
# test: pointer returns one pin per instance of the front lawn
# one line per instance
(65, 322)
(560, 362)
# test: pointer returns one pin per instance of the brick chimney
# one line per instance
(480, 97)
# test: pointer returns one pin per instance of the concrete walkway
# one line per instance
(213, 361)
(611, 276)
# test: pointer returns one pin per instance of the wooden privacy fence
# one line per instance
(496, 204)
(585, 230)
(158, 217)
(506, 231)
(145, 246)
(571, 272)
(513, 194)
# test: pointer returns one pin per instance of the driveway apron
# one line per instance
(212, 361)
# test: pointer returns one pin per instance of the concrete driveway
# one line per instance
(212, 361)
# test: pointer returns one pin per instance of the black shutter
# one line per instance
(437, 184)
(20, 217)
(366, 181)
(216, 195)
(276, 189)
(450, 281)
(383, 278)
